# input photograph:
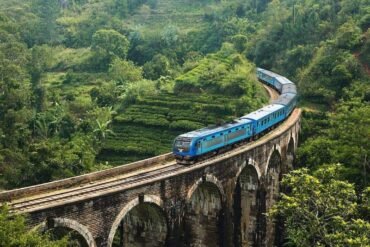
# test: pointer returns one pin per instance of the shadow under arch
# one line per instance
(269, 196)
(207, 178)
(275, 150)
(245, 205)
(55, 223)
(132, 214)
(204, 216)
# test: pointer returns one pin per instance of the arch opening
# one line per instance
(77, 234)
(246, 207)
(145, 224)
(203, 219)
(75, 239)
(272, 189)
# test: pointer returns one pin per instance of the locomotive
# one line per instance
(199, 144)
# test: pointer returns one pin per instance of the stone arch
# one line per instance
(251, 162)
(204, 217)
(245, 206)
(69, 224)
(208, 178)
(127, 208)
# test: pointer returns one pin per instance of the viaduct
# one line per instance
(221, 201)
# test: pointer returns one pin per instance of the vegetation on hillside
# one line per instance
(89, 84)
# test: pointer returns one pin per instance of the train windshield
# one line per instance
(182, 144)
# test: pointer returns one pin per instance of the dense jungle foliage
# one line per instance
(86, 85)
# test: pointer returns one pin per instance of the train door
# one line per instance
(198, 146)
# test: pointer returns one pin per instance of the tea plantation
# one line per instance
(148, 127)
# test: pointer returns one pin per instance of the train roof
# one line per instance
(285, 99)
(263, 112)
(215, 129)
(283, 80)
(289, 88)
(267, 72)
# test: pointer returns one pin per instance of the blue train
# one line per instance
(191, 146)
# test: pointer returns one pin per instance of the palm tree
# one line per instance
(42, 128)
(102, 130)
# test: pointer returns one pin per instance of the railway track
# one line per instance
(89, 189)
(272, 92)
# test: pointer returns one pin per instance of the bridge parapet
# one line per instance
(67, 183)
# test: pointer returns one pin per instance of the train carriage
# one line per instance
(266, 117)
(289, 88)
(267, 77)
(288, 100)
(190, 145)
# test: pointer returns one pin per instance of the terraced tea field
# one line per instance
(148, 127)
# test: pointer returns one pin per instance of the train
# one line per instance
(196, 145)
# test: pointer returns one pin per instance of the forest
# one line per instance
(87, 85)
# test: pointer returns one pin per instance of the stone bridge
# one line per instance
(221, 201)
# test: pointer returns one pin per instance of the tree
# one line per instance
(158, 66)
(348, 36)
(344, 140)
(321, 210)
(123, 71)
(121, 6)
(102, 130)
(13, 233)
(240, 42)
(45, 30)
(170, 36)
(110, 44)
